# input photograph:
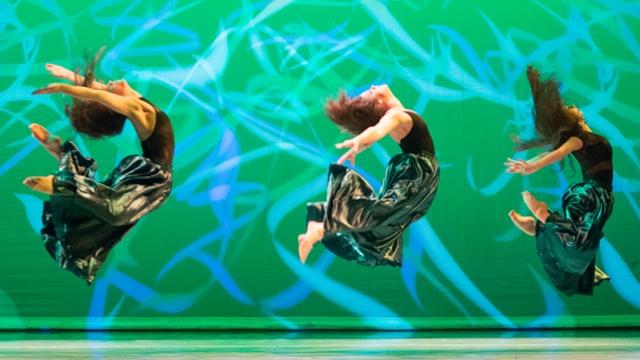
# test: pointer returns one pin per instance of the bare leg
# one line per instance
(525, 223)
(306, 241)
(43, 184)
(539, 209)
(51, 143)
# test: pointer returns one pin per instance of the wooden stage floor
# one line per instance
(597, 345)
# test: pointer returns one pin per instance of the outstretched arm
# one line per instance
(537, 157)
(65, 74)
(141, 114)
(545, 159)
(371, 135)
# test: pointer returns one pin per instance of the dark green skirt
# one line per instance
(567, 243)
(365, 228)
(84, 219)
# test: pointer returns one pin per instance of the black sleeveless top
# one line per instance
(418, 140)
(595, 157)
(159, 146)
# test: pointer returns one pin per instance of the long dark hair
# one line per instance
(353, 114)
(553, 123)
(89, 117)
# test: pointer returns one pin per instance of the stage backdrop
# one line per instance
(244, 83)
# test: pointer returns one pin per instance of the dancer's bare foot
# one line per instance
(538, 208)
(600, 276)
(43, 184)
(525, 223)
(304, 247)
(306, 241)
(51, 143)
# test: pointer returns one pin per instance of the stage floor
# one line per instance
(618, 344)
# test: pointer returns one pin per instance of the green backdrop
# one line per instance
(244, 83)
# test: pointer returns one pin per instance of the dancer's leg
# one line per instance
(306, 241)
(539, 209)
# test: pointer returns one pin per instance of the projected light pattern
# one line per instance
(245, 90)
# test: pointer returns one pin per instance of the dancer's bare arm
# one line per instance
(65, 74)
(141, 114)
(529, 167)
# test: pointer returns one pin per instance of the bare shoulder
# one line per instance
(572, 144)
(142, 116)
(145, 106)
(400, 114)
(402, 123)
(398, 117)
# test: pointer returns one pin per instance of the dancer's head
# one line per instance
(90, 117)
(356, 114)
(554, 121)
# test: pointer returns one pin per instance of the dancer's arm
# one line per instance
(141, 114)
(371, 135)
(65, 74)
(529, 167)
(538, 157)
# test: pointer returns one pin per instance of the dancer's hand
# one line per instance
(354, 146)
(50, 89)
(518, 166)
(350, 156)
(60, 72)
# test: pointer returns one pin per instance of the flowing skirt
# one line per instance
(365, 228)
(84, 219)
(567, 243)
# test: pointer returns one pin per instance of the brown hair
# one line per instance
(90, 117)
(353, 115)
(553, 123)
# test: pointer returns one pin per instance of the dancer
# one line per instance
(355, 223)
(567, 242)
(84, 219)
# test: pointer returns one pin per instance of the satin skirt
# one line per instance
(365, 228)
(84, 219)
(567, 243)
